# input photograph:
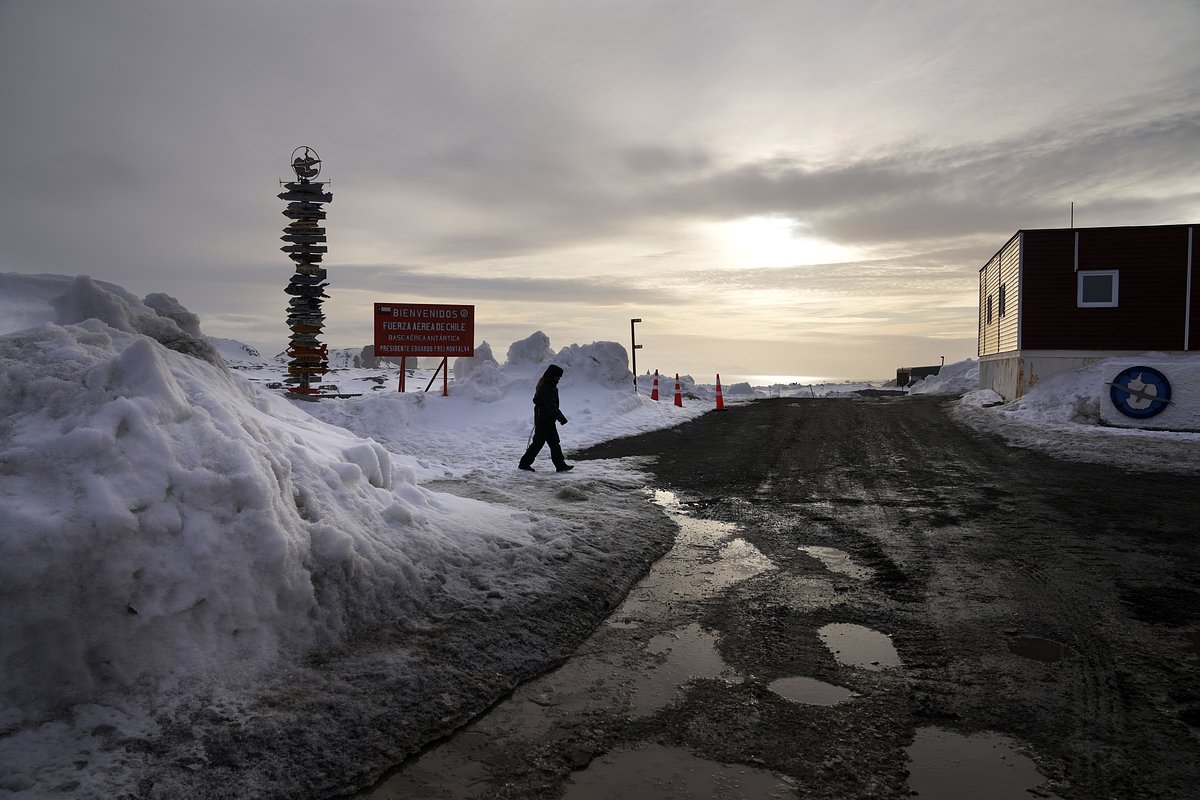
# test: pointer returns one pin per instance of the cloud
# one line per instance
(597, 291)
(565, 159)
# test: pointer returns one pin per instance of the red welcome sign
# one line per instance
(424, 329)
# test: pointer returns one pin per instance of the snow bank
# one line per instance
(32, 300)
(535, 349)
(464, 368)
(604, 363)
(952, 379)
(1060, 415)
(172, 534)
(165, 519)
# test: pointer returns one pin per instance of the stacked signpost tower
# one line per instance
(305, 245)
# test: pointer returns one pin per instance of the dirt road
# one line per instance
(864, 593)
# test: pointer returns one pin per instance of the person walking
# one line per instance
(545, 414)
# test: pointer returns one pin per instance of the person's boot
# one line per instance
(565, 468)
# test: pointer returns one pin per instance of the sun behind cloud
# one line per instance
(772, 240)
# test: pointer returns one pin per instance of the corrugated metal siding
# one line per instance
(1153, 285)
(1009, 268)
(989, 284)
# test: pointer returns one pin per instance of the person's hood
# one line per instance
(553, 371)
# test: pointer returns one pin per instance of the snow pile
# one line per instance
(1065, 397)
(492, 403)
(32, 300)
(982, 398)
(173, 534)
(1060, 415)
(239, 355)
(165, 519)
(532, 350)
(605, 363)
(464, 368)
(952, 379)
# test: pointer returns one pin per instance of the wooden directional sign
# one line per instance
(422, 329)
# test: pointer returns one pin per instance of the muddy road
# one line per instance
(868, 600)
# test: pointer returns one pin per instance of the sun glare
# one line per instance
(773, 241)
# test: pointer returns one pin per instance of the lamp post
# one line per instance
(634, 349)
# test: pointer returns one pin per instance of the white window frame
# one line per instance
(1116, 285)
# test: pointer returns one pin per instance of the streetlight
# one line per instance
(633, 351)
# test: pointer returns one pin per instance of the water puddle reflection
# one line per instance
(858, 646)
(706, 559)
(838, 561)
(671, 773)
(691, 653)
(737, 561)
(810, 691)
(984, 766)
(1038, 649)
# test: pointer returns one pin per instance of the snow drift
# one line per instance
(178, 545)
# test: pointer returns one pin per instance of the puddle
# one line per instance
(691, 653)
(857, 646)
(838, 561)
(738, 561)
(705, 560)
(810, 691)
(1037, 649)
(984, 766)
(671, 773)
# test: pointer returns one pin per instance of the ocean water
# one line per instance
(774, 380)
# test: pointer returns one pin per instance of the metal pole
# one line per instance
(634, 347)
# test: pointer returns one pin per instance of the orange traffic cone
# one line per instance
(654, 391)
(720, 400)
(678, 394)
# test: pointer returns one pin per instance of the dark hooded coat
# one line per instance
(545, 404)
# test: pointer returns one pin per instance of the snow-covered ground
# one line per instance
(210, 589)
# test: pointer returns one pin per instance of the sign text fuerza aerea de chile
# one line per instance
(423, 329)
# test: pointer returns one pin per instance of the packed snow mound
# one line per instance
(165, 520)
(1066, 397)
(605, 363)
(166, 306)
(464, 368)
(481, 378)
(237, 353)
(535, 349)
(953, 379)
(981, 398)
(34, 300)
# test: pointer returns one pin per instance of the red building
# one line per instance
(1054, 300)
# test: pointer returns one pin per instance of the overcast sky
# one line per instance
(804, 188)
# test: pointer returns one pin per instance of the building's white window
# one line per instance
(1098, 289)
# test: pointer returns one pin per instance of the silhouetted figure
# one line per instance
(545, 415)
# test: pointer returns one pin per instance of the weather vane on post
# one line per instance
(305, 238)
